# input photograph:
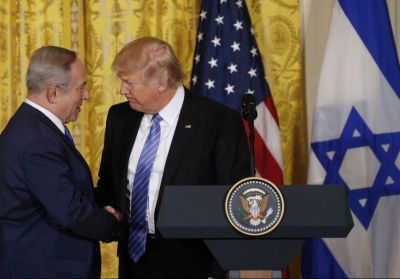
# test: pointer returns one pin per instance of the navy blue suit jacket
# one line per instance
(49, 222)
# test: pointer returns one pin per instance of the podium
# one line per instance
(197, 212)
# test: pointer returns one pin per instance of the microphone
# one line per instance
(249, 107)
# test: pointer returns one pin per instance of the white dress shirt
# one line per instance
(169, 114)
(49, 115)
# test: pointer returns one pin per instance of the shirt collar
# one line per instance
(171, 111)
(48, 113)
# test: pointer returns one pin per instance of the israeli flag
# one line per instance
(356, 142)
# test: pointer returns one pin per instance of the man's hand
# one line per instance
(118, 215)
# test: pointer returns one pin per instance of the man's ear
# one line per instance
(161, 88)
(51, 93)
(162, 85)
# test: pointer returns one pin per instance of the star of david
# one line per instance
(385, 147)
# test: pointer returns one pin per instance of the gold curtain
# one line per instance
(277, 26)
(97, 30)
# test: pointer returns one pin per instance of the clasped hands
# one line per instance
(118, 215)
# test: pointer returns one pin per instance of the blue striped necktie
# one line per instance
(140, 189)
(68, 135)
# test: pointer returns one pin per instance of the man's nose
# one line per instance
(123, 90)
(86, 95)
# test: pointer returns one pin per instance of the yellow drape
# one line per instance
(97, 30)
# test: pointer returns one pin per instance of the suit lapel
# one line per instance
(130, 130)
(77, 153)
(128, 135)
(46, 121)
(185, 130)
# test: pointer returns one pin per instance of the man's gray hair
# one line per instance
(49, 65)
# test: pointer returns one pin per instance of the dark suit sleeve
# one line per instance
(63, 187)
(232, 159)
(104, 192)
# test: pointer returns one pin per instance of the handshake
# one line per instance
(118, 215)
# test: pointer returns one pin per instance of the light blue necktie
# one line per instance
(140, 189)
(68, 135)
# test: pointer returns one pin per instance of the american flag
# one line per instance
(227, 64)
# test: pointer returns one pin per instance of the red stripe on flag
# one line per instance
(266, 164)
(269, 102)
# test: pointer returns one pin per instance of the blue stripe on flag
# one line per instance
(370, 19)
(322, 265)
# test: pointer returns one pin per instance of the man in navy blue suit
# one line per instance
(50, 225)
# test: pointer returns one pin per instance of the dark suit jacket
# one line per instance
(49, 223)
(209, 147)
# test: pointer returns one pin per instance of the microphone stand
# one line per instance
(250, 121)
(250, 113)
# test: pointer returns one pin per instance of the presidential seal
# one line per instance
(254, 206)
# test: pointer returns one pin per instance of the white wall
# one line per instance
(316, 15)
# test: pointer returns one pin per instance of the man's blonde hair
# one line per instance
(153, 57)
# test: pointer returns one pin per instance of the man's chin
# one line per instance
(72, 119)
(134, 106)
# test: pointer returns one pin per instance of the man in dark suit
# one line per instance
(200, 142)
(49, 222)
